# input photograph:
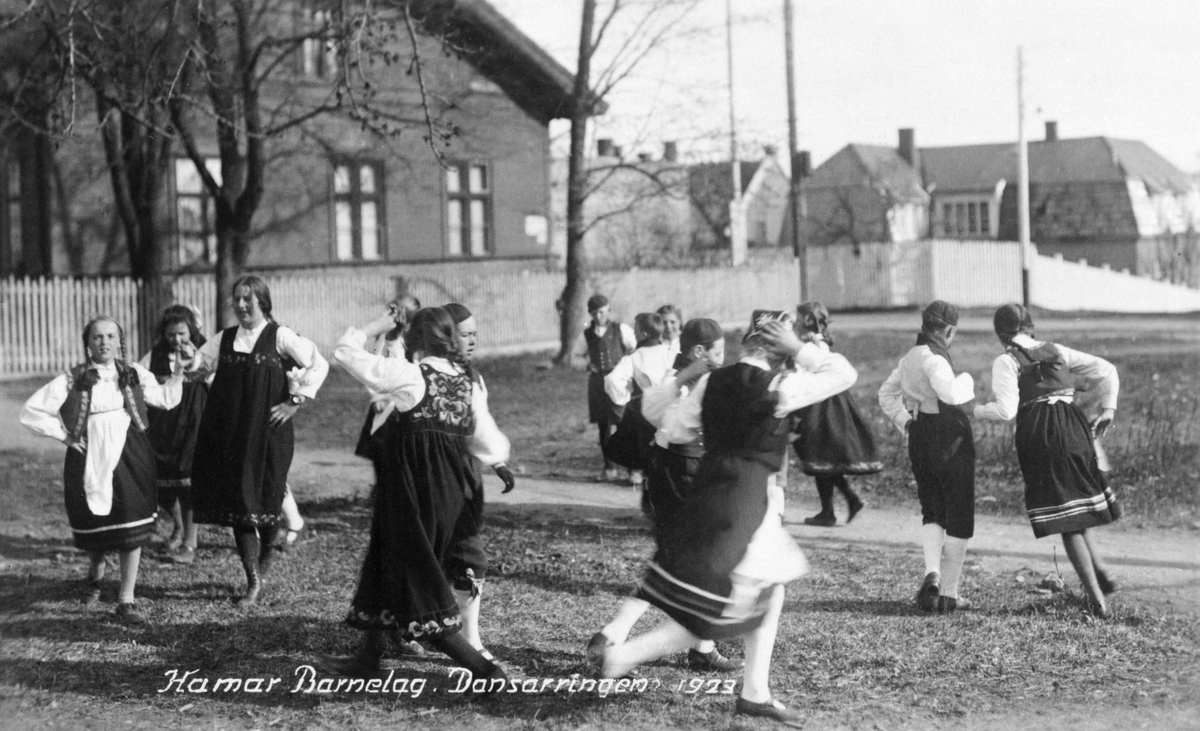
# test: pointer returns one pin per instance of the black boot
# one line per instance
(364, 663)
(248, 549)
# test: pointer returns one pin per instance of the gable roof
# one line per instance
(877, 165)
(712, 182)
(506, 56)
(1083, 160)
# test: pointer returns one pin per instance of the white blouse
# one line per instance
(1100, 375)
(645, 366)
(819, 374)
(401, 383)
(305, 381)
(107, 426)
(658, 400)
(920, 380)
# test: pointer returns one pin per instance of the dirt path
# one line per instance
(1155, 566)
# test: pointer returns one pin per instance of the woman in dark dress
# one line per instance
(263, 374)
(98, 409)
(1065, 489)
(833, 440)
(425, 502)
(720, 568)
(173, 432)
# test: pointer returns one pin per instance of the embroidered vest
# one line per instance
(604, 350)
(75, 409)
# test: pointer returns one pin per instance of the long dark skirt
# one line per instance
(690, 575)
(130, 523)
(601, 409)
(172, 434)
(1065, 490)
(428, 505)
(835, 439)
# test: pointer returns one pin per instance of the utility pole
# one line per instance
(737, 211)
(1022, 180)
(798, 250)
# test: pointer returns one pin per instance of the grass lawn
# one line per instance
(852, 651)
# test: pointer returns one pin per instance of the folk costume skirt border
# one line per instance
(131, 521)
(835, 439)
(1065, 490)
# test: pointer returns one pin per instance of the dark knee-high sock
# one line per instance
(843, 486)
(248, 549)
(604, 436)
(457, 648)
(266, 536)
(825, 493)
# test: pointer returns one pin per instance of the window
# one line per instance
(985, 224)
(318, 56)
(358, 210)
(195, 216)
(468, 210)
(12, 253)
(967, 218)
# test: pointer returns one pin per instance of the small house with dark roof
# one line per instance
(764, 196)
(337, 196)
(1099, 199)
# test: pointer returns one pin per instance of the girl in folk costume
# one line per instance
(98, 409)
(607, 343)
(921, 397)
(487, 447)
(633, 374)
(833, 440)
(426, 503)
(263, 374)
(721, 567)
(672, 320)
(675, 465)
(173, 432)
(1065, 490)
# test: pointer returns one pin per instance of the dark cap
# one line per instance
(940, 314)
(700, 331)
(458, 312)
(597, 301)
(1012, 319)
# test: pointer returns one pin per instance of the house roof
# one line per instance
(1084, 160)
(712, 182)
(857, 164)
(500, 51)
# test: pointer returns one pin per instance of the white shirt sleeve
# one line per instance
(1101, 375)
(307, 379)
(628, 337)
(396, 378)
(1005, 394)
(40, 412)
(681, 422)
(657, 399)
(891, 400)
(487, 443)
(949, 388)
(618, 384)
(822, 374)
(166, 395)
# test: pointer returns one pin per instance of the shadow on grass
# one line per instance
(873, 607)
(28, 548)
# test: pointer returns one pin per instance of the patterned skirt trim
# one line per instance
(1075, 515)
(834, 468)
(236, 520)
(704, 614)
(439, 624)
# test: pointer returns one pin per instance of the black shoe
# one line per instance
(1107, 585)
(712, 660)
(772, 709)
(596, 649)
(92, 598)
(927, 595)
(948, 604)
(250, 598)
(821, 520)
(855, 508)
(127, 612)
(355, 666)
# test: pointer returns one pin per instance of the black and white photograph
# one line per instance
(600, 364)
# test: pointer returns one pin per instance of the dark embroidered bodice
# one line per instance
(446, 406)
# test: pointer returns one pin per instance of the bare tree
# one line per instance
(634, 30)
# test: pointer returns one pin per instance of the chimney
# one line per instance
(616, 152)
(908, 148)
(644, 157)
(801, 165)
(770, 150)
(1051, 131)
(671, 151)
(604, 147)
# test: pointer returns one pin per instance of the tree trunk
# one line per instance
(571, 311)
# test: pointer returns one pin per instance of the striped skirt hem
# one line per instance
(1075, 515)
(705, 614)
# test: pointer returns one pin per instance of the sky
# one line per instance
(1127, 69)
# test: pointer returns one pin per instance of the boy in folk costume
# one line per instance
(720, 568)
(607, 343)
(921, 398)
